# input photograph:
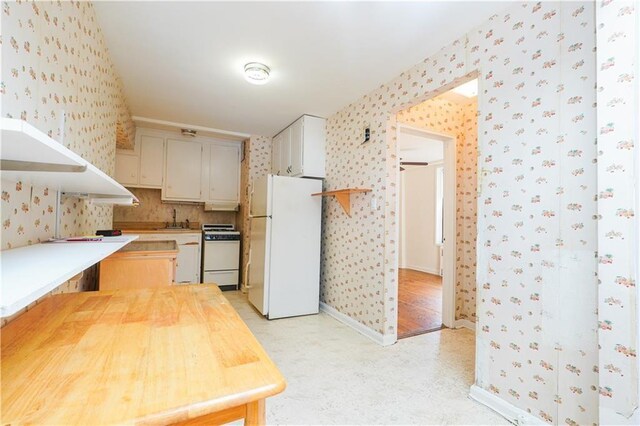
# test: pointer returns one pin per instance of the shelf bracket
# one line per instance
(30, 166)
(343, 196)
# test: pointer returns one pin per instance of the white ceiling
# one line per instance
(183, 61)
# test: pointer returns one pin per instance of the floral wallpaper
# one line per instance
(57, 75)
(618, 36)
(257, 163)
(153, 209)
(457, 118)
(55, 70)
(537, 345)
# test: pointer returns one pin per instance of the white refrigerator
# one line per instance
(284, 256)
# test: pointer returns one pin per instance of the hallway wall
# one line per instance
(537, 343)
(418, 220)
(618, 205)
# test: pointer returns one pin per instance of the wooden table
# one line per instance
(178, 354)
(140, 264)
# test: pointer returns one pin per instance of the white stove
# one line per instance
(221, 255)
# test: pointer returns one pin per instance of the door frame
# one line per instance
(449, 202)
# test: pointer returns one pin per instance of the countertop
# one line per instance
(150, 356)
(155, 228)
(155, 247)
(161, 231)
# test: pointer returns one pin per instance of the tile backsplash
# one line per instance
(153, 209)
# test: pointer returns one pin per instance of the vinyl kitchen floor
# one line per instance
(337, 376)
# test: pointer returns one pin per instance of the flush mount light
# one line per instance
(256, 73)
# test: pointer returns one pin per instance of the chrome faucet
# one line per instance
(174, 225)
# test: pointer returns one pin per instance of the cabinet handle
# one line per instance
(190, 244)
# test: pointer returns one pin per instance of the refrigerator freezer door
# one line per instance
(260, 196)
(258, 284)
(294, 275)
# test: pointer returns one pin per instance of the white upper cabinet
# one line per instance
(142, 166)
(296, 148)
(200, 169)
(183, 172)
(276, 145)
(151, 161)
(127, 168)
(285, 152)
(299, 150)
(224, 172)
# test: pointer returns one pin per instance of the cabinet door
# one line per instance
(151, 160)
(313, 153)
(188, 263)
(127, 169)
(285, 153)
(276, 167)
(224, 173)
(296, 148)
(183, 175)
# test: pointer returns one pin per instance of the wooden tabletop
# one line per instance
(151, 356)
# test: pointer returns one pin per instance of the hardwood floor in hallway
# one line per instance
(419, 303)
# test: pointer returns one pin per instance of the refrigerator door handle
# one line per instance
(251, 199)
(247, 286)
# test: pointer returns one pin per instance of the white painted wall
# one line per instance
(418, 249)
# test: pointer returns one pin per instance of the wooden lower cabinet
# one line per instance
(140, 264)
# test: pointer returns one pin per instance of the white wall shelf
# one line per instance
(30, 272)
(32, 157)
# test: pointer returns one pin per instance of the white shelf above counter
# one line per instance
(30, 272)
(32, 157)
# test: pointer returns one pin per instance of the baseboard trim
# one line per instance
(421, 269)
(465, 323)
(381, 339)
(510, 412)
(609, 416)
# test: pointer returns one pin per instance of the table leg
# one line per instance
(256, 413)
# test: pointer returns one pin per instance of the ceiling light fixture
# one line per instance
(256, 73)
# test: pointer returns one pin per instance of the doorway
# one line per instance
(427, 189)
(437, 166)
